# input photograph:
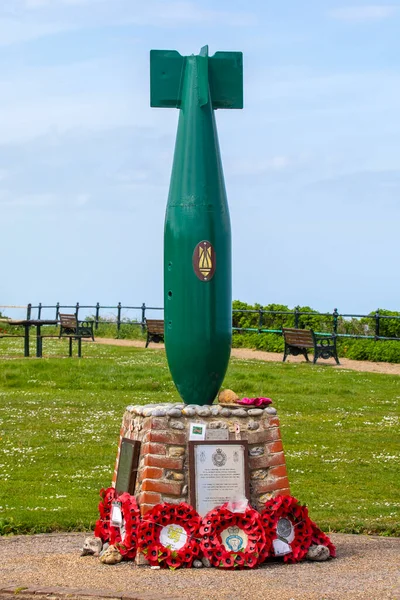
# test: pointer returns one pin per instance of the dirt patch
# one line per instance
(249, 354)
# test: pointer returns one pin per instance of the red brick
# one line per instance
(149, 498)
(150, 448)
(165, 462)
(150, 473)
(273, 421)
(114, 478)
(259, 462)
(173, 488)
(266, 460)
(278, 471)
(276, 459)
(273, 434)
(275, 447)
(261, 487)
(144, 508)
(283, 492)
(168, 437)
(155, 423)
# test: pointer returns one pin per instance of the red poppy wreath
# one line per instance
(125, 536)
(319, 537)
(168, 535)
(233, 540)
(102, 527)
(288, 526)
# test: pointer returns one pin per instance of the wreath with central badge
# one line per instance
(233, 540)
(289, 528)
(168, 535)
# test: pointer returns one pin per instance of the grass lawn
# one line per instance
(60, 421)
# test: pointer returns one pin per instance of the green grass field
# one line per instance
(60, 421)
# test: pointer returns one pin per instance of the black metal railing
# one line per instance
(343, 325)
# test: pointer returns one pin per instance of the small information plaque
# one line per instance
(218, 473)
(217, 434)
(127, 466)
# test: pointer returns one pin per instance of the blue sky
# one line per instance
(312, 163)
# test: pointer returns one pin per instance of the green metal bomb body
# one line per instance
(197, 236)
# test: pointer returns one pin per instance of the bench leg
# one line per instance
(147, 341)
(79, 347)
(305, 353)
(70, 346)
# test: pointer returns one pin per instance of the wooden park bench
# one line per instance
(298, 341)
(72, 329)
(69, 325)
(155, 331)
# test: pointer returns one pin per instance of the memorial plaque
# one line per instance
(127, 466)
(217, 434)
(218, 473)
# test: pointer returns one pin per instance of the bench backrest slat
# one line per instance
(298, 337)
(155, 326)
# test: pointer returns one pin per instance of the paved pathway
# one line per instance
(366, 568)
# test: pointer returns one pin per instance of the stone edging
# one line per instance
(194, 410)
(71, 593)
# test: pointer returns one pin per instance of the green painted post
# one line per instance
(96, 324)
(118, 318)
(197, 235)
(335, 320)
(57, 310)
(260, 319)
(377, 324)
(39, 313)
(143, 316)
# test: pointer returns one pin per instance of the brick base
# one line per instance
(164, 463)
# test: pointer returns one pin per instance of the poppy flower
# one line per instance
(163, 554)
(173, 562)
(251, 560)
(227, 560)
(239, 560)
(152, 553)
(204, 530)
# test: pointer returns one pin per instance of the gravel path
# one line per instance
(248, 354)
(365, 567)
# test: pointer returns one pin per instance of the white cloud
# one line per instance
(26, 20)
(372, 12)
